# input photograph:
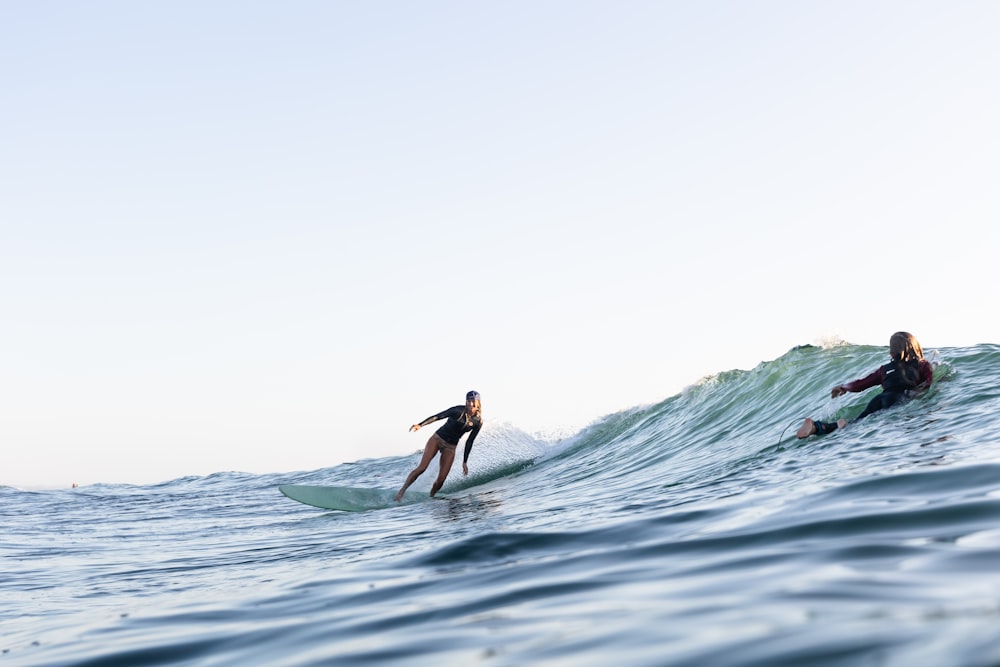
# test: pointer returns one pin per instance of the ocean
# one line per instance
(695, 531)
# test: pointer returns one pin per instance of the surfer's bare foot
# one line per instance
(808, 428)
(841, 423)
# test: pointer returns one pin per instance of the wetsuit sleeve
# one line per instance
(441, 415)
(867, 382)
(468, 443)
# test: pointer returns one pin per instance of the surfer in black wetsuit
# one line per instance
(907, 374)
(462, 419)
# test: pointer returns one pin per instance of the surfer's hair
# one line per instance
(904, 347)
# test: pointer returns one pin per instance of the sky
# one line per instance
(269, 237)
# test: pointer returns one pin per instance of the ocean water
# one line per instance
(696, 531)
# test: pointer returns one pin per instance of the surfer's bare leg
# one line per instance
(447, 458)
(430, 449)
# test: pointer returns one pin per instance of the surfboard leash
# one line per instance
(795, 421)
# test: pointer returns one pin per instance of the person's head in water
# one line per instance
(472, 403)
(904, 347)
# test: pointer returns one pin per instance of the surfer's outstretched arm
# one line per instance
(468, 449)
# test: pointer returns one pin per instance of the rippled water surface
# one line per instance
(697, 531)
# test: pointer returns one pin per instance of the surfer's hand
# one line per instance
(838, 391)
(465, 469)
(415, 427)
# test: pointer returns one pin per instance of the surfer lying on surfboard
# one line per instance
(462, 419)
(908, 373)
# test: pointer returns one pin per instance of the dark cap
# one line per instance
(472, 396)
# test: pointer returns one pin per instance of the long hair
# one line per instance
(904, 347)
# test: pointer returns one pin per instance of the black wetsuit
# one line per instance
(898, 380)
(459, 423)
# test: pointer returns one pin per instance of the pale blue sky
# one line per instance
(270, 236)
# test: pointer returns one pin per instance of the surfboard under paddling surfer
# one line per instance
(462, 419)
(907, 374)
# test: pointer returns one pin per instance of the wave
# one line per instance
(721, 427)
(717, 427)
(729, 427)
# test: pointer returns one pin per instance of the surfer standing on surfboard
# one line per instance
(908, 373)
(462, 419)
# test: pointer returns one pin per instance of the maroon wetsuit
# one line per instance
(924, 368)
(899, 379)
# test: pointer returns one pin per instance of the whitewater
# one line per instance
(695, 531)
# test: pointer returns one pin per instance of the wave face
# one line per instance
(696, 531)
